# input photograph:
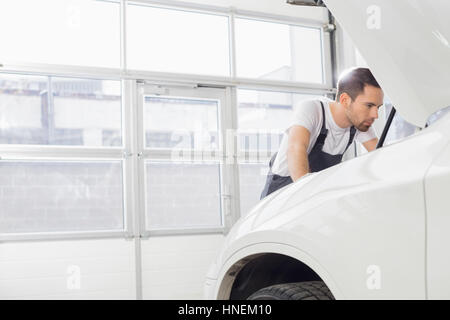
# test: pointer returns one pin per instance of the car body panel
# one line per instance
(406, 44)
(362, 215)
(437, 184)
(219, 288)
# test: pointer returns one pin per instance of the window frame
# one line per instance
(218, 156)
(325, 49)
(11, 66)
(24, 152)
(152, 4)
(125, 73)
(132, 81)
(94, 233)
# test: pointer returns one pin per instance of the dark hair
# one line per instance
(354, 81)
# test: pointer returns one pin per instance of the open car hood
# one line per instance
(406, 44)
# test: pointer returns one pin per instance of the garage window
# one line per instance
(68, 126)
(182, 162)
(45, 110)
(61, 161)
(277, 51)
(180, 41)
(56, 196)
(180, 123)
(66, 32)
(182, 195)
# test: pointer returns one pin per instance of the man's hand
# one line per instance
(297, 153)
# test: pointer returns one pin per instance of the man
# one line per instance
(323, 129)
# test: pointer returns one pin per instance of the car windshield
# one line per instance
(400, 128)
(437, 115)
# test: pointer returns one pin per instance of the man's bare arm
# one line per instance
(371, 144)
(297, 153)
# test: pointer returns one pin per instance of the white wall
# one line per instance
(175, 267)
(50, 269)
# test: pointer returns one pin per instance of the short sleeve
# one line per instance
(363, 137)
(306, 115)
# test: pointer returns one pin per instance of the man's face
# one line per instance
(363, 111)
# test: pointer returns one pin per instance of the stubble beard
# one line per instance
(361, 126)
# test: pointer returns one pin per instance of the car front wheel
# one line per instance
(309, 290)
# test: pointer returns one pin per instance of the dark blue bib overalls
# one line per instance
(318, 160)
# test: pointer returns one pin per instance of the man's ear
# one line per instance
(345, 100)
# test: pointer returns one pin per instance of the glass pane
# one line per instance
(276, 51)
(181, 123)
(82, 112)
(23, 101)
(263, 116)
(182, 195)
(82, 32)
(252, 178)
(177, 41)
(37, 196)
(91, 107)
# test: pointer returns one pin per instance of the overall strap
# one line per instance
(272, 160)
(350, 140)
(323, 131)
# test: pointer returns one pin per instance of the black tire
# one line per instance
(310, 290)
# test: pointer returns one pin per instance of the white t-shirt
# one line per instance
(308, 114)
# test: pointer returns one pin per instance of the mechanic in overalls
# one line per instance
(322, 130)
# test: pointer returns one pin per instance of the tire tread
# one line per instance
(309, 290)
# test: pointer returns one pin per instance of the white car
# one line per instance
(376, 226)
